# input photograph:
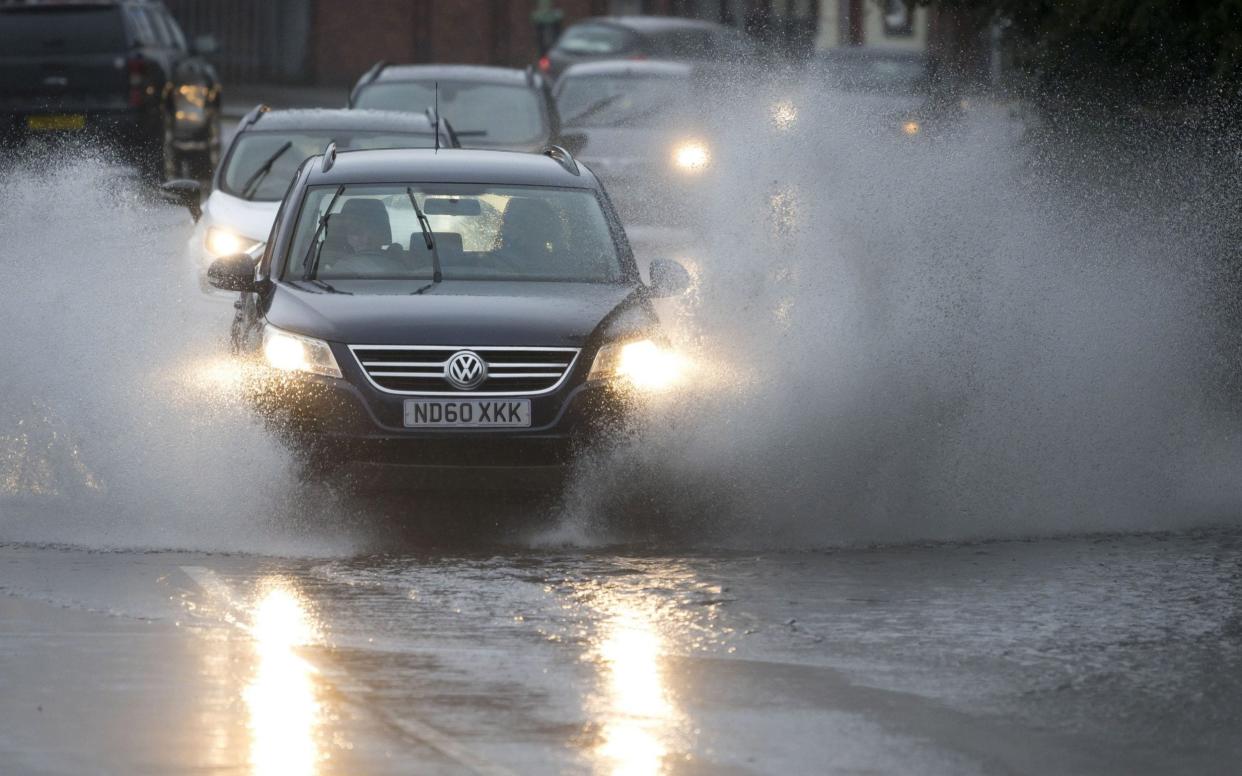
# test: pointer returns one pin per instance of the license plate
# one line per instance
(467, 413)
(56, 122)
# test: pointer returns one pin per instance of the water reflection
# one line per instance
(286, 714)
(641, 728)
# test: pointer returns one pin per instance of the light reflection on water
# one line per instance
(282, 698)
(641, 727)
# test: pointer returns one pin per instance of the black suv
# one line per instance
(489, 107)
(471, 314)
(120, 72)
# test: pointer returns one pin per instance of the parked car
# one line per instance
(489, 107)
(264, 155)
(646, 37)
(478, 352)
(120, 72)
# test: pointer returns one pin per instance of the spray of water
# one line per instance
(119, 425)
(949, 336)
(960, 334)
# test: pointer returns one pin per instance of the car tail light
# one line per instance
(636, 57)
(545, 64)
(137, 69)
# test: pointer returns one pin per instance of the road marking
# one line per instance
(215, 588)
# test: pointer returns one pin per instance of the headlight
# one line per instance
(295, 353)
(641, 363)
(692, 157)
(222, 242)
(911, 128)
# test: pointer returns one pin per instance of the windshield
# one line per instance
(604, 101)
(595, 40)
(482, 114)
(80, 30)
(480, 233)
(285, 151)
(902, 75)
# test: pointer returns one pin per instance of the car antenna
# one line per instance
(437, 132)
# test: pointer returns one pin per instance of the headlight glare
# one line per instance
(692, 156)
(642, 364)
(294, 353)
(911, 128)
(223, 242)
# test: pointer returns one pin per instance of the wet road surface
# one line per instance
(1092, 655)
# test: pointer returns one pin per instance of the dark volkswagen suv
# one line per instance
(465, 311)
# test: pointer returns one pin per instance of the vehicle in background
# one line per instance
(895, 90)
(264, 155)
(121, 72)
(647, 37)
(481, 351)
(639, 125)
(489, 107)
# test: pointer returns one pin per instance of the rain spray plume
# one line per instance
(937, 336)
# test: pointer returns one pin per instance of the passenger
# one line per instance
(532, 236)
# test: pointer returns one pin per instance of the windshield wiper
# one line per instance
(592, 109)
(428, 237)
(317, 247)
(252, 183)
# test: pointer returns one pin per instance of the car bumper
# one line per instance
(339, 423)
(125, 127)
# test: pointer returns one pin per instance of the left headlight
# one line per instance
(643, 364)
(294, 353)
(224, 242)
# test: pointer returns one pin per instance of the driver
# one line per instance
(354, 246)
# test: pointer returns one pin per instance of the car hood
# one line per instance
(461, 312)
(617, 151)
(246, 218)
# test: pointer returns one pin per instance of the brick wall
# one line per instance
(348, 37)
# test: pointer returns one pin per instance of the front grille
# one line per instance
(417, 369)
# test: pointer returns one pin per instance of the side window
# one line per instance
(144, 31)
(265, 261)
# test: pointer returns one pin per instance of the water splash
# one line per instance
(117, 423)
(944, 336)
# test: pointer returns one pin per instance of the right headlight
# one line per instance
(294, 353)
(643, 364)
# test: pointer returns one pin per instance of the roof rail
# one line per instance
(563, 157)
(253, 115)
(329, 157)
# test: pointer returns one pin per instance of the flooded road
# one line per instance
(1092, 655)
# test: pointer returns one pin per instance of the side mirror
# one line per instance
(186, 193)
(206, 45)
(668, 278)
(233, 273)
